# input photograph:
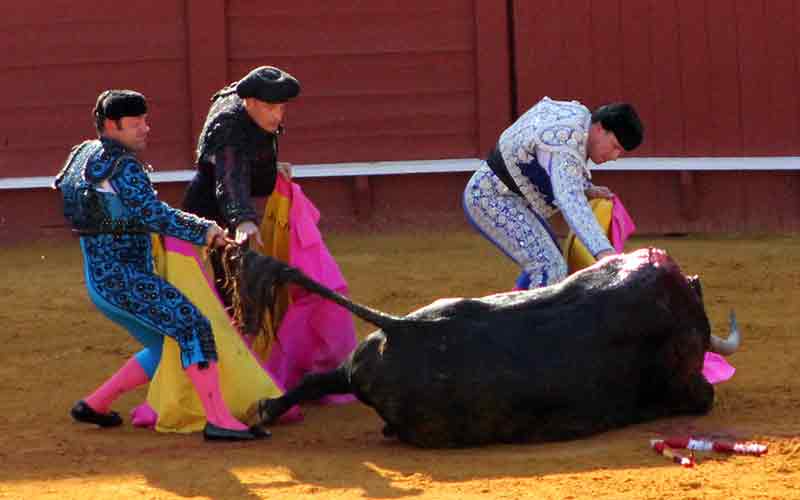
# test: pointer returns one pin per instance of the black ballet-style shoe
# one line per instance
(213, 432)
(82, 412)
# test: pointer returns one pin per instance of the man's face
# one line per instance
(268, 115)
(131, 131)
(603, 145)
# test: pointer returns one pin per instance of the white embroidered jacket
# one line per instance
(545, 153)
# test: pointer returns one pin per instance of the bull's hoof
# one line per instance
(82, 412)
(251, 417)
(263, 412)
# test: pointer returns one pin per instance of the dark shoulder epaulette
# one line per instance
(77, 149)
(106, 161)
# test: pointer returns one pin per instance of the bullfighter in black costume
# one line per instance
(237, 158)
(237, 151)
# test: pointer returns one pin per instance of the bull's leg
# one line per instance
(313, 386)
(696, 397)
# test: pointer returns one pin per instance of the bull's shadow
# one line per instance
(335, 448)
(388, 468)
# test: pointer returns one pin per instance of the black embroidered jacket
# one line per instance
(236, 159)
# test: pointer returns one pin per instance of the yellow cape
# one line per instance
(242, 379)
(576, 255)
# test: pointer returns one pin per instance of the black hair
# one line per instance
(621, 119)
(116, 104)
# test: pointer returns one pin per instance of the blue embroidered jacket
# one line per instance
(106, 190)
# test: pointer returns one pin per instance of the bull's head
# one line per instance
(729, 345)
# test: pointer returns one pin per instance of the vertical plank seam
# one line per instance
(681, 101)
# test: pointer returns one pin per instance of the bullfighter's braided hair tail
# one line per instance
(252, 279)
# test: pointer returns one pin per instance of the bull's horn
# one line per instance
(731, 344)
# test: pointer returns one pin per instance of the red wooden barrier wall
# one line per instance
(709, 77)
(59, 55)
(382, 80)
(389, 80)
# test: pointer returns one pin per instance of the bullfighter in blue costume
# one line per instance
(539, 167)
(111, 204)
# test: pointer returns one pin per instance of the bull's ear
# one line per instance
(694, 282)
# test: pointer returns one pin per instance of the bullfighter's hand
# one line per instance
(285, 169)
(605, 253)
(216, 237)
(599, 192)
(248, 230)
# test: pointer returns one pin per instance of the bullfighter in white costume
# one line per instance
(539, 167)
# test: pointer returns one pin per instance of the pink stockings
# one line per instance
(206, 383)
(204, 380)
(127, 378)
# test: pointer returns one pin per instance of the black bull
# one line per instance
(615, 344)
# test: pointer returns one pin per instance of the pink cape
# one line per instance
(315, 335)
(622, 225)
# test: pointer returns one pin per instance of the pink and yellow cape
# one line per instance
(314, 335)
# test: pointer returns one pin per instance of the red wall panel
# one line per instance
(693, 55)
(382, 80)
(607, 54)
(709, 77)
(635, 23)
(783, 40)
(403, 80)
(754, 79)
(58, 56)
(665, 128)
(724, 123)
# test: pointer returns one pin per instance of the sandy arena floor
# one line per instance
(56, 348)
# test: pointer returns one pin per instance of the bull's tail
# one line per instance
(252, 278)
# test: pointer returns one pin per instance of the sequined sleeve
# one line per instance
(137, 194)
(232, 187)
(569, 184)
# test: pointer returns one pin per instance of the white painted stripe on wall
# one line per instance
(465, 165)
(706, 163)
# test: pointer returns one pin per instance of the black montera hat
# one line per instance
(115, 104)
(622, 119)
(269, 84)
